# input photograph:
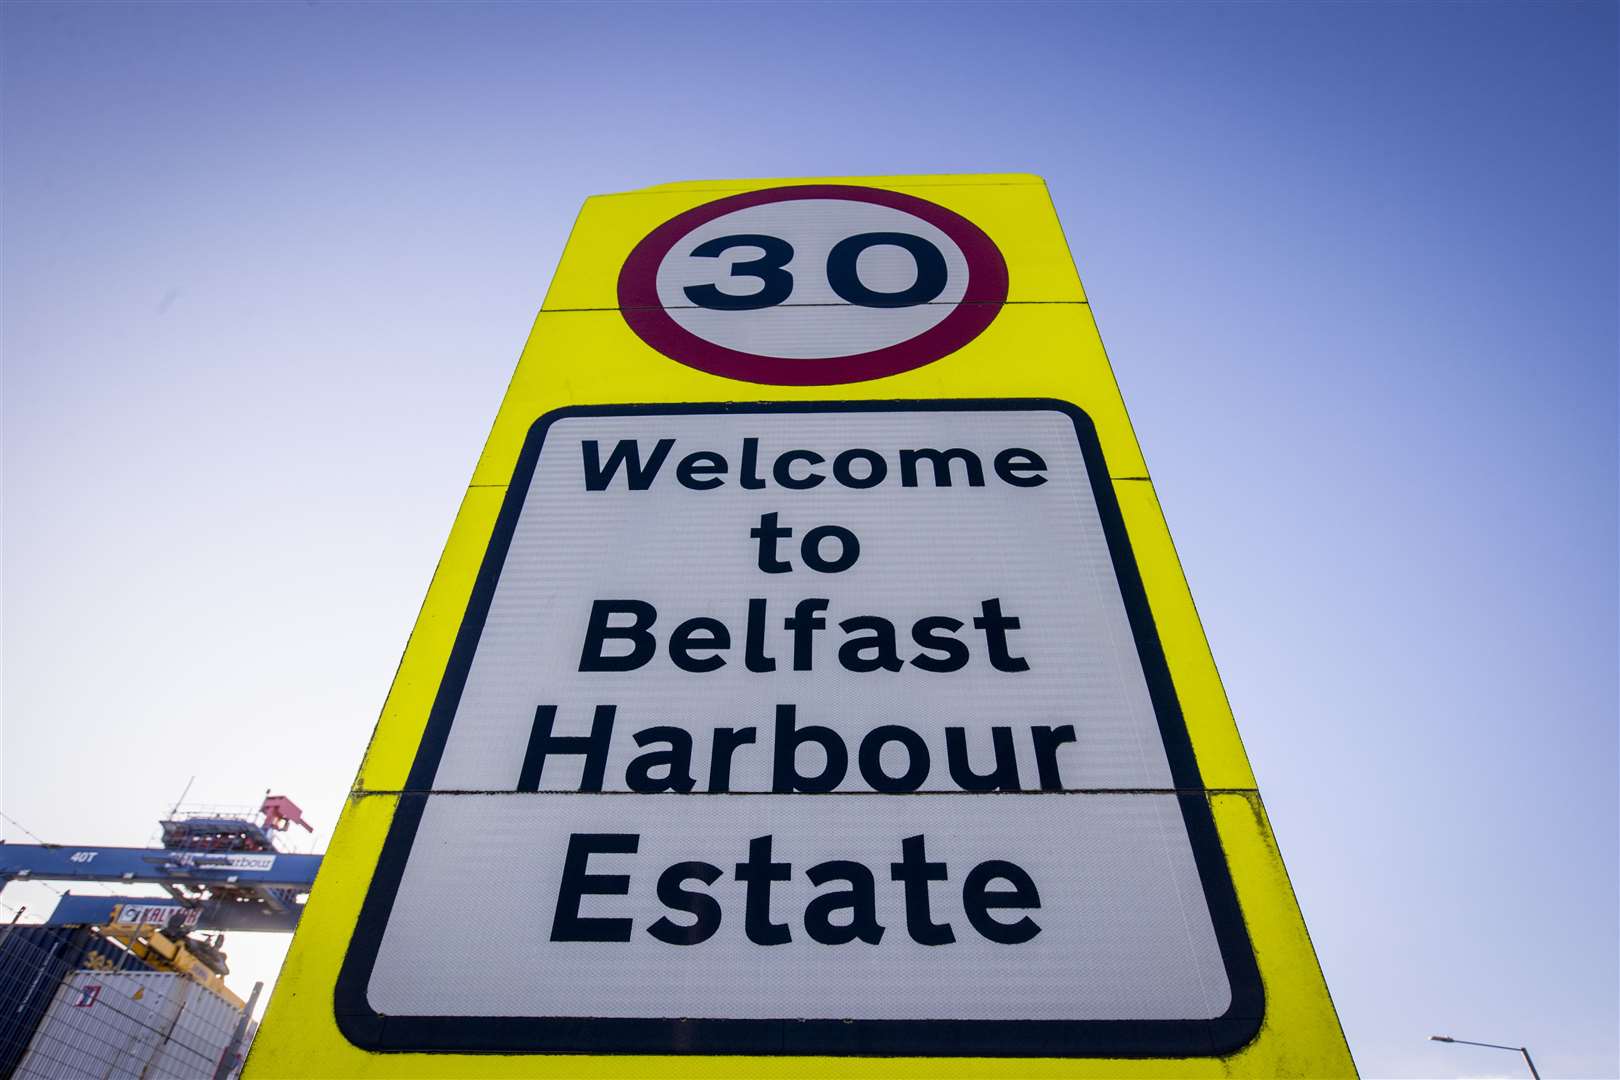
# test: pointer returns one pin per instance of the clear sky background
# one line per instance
(267, 268)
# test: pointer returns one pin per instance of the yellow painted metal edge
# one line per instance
(393, 745)
(1014, 211)
(1222, 762)
(1036, 351)
(908, 179)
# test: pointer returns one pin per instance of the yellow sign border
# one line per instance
(1043, 345)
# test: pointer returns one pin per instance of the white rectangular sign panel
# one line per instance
(823, 728)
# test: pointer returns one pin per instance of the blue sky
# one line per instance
(266, 270)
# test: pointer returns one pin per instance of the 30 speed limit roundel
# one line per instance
(812, 285)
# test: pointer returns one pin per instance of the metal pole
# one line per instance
(227, 1060)
(1494, 1046)
(182, 798)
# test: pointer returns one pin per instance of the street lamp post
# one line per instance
(1493, 1046)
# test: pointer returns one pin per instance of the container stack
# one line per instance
(73, 1004)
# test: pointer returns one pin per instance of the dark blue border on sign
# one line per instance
(945, 1037)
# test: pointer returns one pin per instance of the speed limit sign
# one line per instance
(813, 285)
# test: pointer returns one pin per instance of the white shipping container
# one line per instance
(205, 1026)
(130, 1025)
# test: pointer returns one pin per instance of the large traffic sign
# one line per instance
(808, 677)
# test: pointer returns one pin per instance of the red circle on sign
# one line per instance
(641, 307)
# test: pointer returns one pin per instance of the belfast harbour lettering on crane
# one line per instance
(626, 635)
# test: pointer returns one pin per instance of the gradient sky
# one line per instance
(266, 270)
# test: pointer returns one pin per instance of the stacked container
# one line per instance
(129, 1025)
(33, 962)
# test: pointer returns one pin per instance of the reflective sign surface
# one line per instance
(698, 633)
(809, 683)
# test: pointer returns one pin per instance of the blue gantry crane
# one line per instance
(59, 997)
(221, 871)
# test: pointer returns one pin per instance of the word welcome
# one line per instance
(800, 469)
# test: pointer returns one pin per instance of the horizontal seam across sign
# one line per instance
(1116, 479)
(812, 794)
(852, 307)
(770, 185)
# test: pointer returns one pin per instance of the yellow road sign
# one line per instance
(809, 684)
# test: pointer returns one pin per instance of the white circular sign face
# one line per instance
(812, 285)
(800, 327)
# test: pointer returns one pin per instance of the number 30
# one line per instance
(776, 283)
